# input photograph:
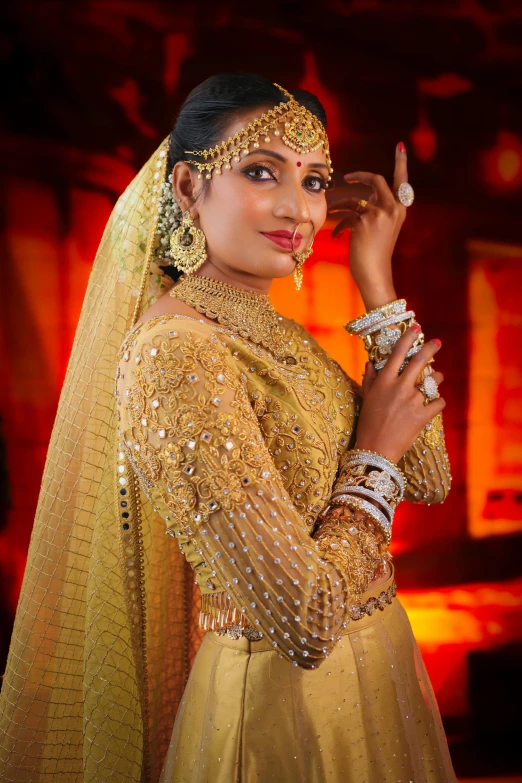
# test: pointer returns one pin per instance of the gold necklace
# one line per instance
(249, 313)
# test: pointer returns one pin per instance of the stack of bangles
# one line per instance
(381, 329)
(356, 488)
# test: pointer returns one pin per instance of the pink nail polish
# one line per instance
(401, 147)
(416, 327)
(437, 341)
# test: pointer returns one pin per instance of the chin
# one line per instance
(282, 266)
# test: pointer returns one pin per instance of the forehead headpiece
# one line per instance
(303, 132)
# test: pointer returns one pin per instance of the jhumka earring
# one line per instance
(188, 246)
(300, 258)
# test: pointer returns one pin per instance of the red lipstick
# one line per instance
(283, 238)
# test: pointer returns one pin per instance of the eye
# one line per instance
(318, 179)
(255, 168)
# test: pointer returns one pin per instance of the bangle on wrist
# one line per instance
(380, 330)
(376, 315)
(385, 484)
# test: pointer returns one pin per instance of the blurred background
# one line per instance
(90, 90)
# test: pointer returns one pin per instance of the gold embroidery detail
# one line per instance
(349, 539)
(433, 433)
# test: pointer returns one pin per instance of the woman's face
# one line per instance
(271, 189)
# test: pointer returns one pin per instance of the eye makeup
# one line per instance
(270, 169)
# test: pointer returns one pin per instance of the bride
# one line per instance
(202, 439)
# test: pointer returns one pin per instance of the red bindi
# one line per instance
(298, 163)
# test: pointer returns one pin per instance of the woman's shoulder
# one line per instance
(171, 326)
(175, 345)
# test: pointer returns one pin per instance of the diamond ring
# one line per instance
(405, 194)
(429, 388)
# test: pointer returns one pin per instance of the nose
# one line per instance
(292, 204)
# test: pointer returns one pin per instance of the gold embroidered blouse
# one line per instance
(238, 451)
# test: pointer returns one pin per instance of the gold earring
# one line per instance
(188, 246)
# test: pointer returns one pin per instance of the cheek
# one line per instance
(318, 212)
(250, 202)
(235, 202)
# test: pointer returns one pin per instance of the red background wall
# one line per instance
(92, 88)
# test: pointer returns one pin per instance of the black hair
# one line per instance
(215, 104)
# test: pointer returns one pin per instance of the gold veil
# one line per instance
(91, 689)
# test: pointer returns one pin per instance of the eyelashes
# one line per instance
(266, 167)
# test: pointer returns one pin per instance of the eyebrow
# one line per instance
(277, 156)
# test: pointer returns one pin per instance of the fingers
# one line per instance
(398, 355)
(348, 201)
(378, 184)
(348, 222)
(370, 374)
(401, 166)
(420, 360)
(352, 217)
(433, 408)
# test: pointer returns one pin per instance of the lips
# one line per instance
(283, 238)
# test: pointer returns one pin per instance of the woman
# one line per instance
(232, 432)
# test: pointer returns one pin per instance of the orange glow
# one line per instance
(502, 164)
(495, 390)
(450, 623)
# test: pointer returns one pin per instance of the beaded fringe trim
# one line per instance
(218, 611)
(220, 615)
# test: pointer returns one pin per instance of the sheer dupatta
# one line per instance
(99, 652)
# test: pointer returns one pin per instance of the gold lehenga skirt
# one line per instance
(367, 714)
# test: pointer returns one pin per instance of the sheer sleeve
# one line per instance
(193, 438)
(426, 466)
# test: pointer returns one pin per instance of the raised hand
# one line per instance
(374, 229)
(393, 413)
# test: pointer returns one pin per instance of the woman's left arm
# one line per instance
(374, 233)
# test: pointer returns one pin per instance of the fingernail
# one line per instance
(416, 327)
(437, 342)
(401, 147)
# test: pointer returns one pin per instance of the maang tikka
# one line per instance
(188, 246)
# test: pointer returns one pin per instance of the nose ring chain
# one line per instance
(300, 258)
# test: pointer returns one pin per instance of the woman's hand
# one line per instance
(374, 230)
(393, 412)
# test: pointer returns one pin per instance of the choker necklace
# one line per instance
(249, 313)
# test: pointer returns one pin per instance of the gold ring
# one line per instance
(362, 203)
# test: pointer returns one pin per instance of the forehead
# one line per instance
(276, 144)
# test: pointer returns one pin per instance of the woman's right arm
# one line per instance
(193, 438)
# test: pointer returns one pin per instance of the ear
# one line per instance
(185, 188)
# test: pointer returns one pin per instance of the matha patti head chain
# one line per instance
(182, 243)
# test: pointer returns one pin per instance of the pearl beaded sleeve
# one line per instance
(194, 440)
